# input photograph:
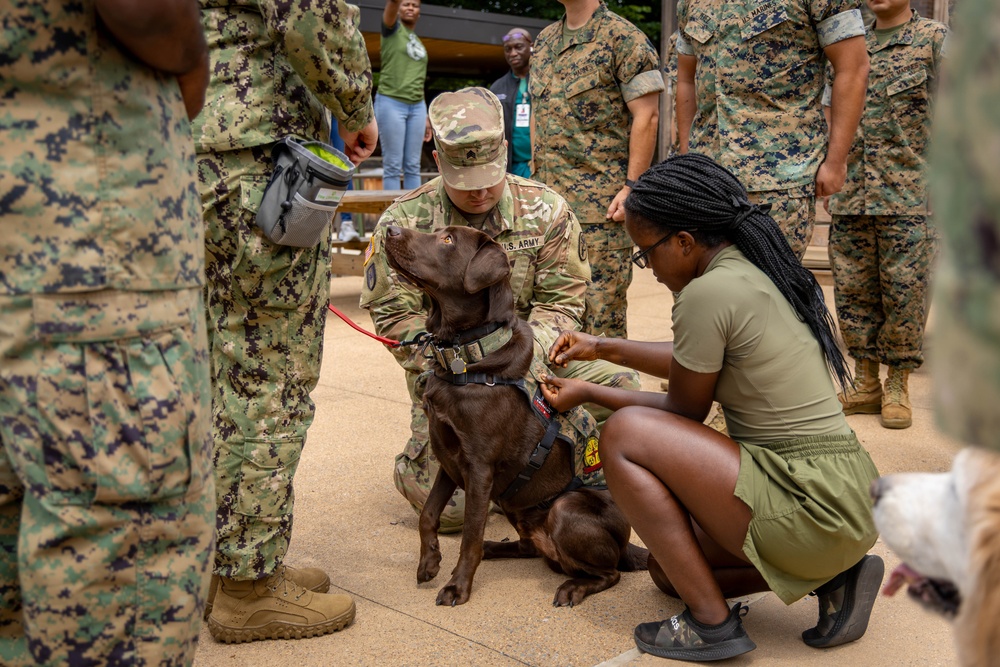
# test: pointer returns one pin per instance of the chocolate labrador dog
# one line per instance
(485, 432)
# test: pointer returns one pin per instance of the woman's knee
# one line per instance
(615, 434)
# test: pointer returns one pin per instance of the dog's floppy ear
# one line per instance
(487, 267)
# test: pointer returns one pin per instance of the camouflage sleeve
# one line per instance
(828, 74)
(836, 20)
(397, 310)
(637, 67)
(326, 49)
(941, 37)
(561, 276)
(643, 84)
(683, 46)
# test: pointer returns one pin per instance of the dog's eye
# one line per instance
(447, 239)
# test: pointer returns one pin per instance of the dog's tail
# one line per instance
(633, 558)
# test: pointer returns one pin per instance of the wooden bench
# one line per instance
(352, 262)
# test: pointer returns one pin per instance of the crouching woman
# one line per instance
(781, 504)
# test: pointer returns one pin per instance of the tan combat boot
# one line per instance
(312, 578)
(896, 412)
(275, 608)
(866, 395)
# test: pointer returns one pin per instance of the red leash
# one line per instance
(381, 339)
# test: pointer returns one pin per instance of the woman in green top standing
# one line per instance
(782, 505)
(399, 102)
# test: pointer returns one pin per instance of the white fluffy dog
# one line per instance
(946, 529)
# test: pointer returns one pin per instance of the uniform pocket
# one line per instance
(522, 271)
(765, 17)
(700, 28)
(266, 474)
(910, 101)
(124, 414)
(124, 403)
(587, 101)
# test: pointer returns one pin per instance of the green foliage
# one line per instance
(646, 17)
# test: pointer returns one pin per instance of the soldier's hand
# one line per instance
(193, 84)
(358, 146)
(830, 178)
(573, 345)
(616, 211)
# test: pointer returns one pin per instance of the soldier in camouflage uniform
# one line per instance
(750, 86)
(106, 491)
(881, 246)
(534, 225)
(595, 92)
(267, 303)
(965, 185)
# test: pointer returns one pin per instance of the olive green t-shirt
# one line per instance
(773, 380)
(404, 64)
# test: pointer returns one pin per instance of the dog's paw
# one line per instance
(569, 595)
(428, 569)
(452, 595)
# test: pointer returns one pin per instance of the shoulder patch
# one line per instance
(592, 456)
(582, 249)
(369, 250)
(370, 276)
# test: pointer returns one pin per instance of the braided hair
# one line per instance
(693, 193)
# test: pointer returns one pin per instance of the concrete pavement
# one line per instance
(351, 521)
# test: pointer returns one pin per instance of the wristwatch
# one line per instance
(630, 183)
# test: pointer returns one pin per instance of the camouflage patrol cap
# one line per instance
(468, 136)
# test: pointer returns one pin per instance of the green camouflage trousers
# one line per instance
(266, 314)
(794, 211)
(107, 510)
(416, 467)
(609, 249)
(881, 274)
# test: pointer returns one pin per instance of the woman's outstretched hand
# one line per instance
(563, 393)
(573, 345)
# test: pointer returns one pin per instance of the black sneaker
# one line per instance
(845, 608)
(683, 638)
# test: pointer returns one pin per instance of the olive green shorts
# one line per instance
(811, 510)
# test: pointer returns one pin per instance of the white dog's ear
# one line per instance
(976, 629)
(487, 267)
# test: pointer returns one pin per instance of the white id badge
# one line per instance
(522, 115)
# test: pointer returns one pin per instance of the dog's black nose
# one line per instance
(393, 230)
(878, 488)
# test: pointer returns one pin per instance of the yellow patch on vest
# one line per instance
(591, 457)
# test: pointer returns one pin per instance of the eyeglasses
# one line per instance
(641, 257)
(516, 34)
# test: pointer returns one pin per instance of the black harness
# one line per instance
(474, 345)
